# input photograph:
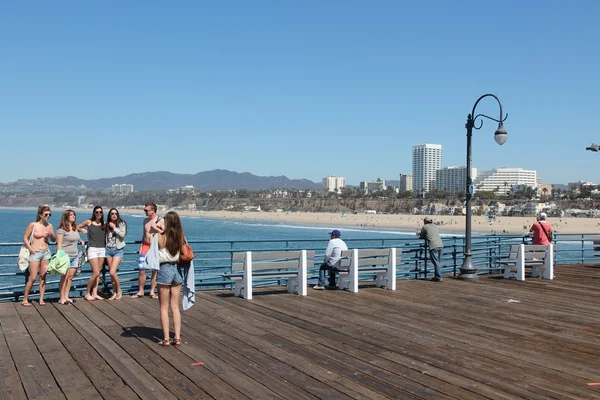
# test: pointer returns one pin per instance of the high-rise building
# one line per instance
(122, 189)
(426, 159)
(453, 179)
(502, 180)
(406, 182)
(334, 183)
(372, 186)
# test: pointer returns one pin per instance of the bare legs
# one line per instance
(113, 265)
(65, 286)
(168, 297)
(92, 286)
(142, 284)
(34, 268)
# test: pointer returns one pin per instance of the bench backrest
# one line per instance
(596, 245)
(537, 251)
(263, 260)
(370, 257)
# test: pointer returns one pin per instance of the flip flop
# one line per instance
(136, 296)
(42, 303)
(89, 298)
(26, 304)
(64, 303)
(153, 296)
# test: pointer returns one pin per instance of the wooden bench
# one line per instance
(246, 267)
(381, 262)
(540, 258)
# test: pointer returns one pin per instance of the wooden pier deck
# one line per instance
(490, 339)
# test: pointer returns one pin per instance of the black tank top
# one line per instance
(96, 236)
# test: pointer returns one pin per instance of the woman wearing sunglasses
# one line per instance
(116, 229)
(36, 239)
(96, 250)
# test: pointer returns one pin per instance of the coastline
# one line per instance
(405, 222)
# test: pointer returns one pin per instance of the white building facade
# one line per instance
(406, 183)
(334, 183)
(426, 160)
(122, 189)
(502, 180)
(373, 186)
(453, 179)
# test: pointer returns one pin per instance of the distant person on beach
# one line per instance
(153, 224)
(170, 276)
(116, 229)
(96, 252)
(430, 233)
(67, 238)
(332, 261)
(36, 239)
(542, 230)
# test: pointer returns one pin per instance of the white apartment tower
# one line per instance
(426, 160)
(502, 180)
(453, 179)
(334, 183)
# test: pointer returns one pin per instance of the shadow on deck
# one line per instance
(490, 339)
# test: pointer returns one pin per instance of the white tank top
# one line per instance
(165, 257)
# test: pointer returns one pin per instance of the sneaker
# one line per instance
(330, 287)
(319, 287)
(436, 280)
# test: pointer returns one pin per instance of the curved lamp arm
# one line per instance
(499, 120)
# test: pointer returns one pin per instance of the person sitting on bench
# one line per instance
(333, 259)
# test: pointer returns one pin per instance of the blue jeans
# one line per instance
(170, 275)
(323, 270)
(435, 255)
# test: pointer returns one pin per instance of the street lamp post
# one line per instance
(467, 270)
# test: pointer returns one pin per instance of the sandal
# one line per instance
(119, 296)
(89, 298)
(153, 296)
(113, 297)
(97, 297)
(176, 342)
(165, 342)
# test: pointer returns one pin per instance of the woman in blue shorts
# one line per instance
(67, 239)
(170, 276)
(36, 239)
(116, 229)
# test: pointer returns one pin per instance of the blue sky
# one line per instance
(304, 89)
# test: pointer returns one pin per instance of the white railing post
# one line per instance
(391, 272)
(301, 281)
(247, 290)
(354, 272)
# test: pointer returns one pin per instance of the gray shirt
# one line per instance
(430, 233)
(69, 242)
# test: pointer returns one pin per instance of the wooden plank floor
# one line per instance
(489, 339)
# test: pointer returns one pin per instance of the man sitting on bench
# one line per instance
(333, 259)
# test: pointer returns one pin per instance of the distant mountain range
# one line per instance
(218, 179)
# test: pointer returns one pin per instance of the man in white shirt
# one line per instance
(333, 259)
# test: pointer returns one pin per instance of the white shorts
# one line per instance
(96, 252)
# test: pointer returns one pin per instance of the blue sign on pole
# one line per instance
(471, 189)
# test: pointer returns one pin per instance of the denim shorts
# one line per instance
(40, 255)
(113, 252)
(74, 261)
(170, 275)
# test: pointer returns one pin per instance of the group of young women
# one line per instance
(105, 242)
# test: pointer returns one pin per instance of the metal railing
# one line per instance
(213, 258)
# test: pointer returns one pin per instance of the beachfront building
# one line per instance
(122, 189)
(503, 180)
(334, 183)
(373, 186)
(426, 160)
(406, 183)
(453, 179)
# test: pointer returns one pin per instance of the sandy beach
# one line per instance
(447, 224)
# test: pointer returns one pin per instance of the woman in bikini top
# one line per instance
(36, 239)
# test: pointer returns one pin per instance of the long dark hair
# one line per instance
(64, 221)
(93, 217)
(41, 209)
(173, 232)
(119, 221)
